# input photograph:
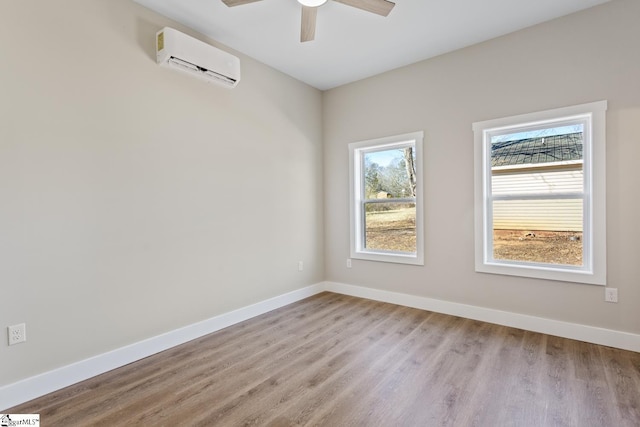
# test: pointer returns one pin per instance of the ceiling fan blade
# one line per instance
(308, 26)
(232, 3)
(379, 7)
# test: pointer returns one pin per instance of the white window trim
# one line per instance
(594, 270)
(356, 194)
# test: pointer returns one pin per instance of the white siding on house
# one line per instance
(543, 215)
(548, 182)
(547, 215)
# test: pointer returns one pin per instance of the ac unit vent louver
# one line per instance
(192, 56)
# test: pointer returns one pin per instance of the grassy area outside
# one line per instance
(391, 230)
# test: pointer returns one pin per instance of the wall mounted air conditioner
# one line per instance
(184, 53)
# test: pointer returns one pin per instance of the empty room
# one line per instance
(307, 212)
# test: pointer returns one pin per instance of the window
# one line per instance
(386, 199)
(540, 194)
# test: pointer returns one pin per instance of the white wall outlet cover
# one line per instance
(17, 333)
(611, 294)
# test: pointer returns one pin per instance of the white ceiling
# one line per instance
(352, 44)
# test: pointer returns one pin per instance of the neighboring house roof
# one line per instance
(548, 149)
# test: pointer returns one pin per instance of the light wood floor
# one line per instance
(334, 360)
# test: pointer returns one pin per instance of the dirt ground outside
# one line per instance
(551, 247)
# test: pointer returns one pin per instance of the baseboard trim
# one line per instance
(39, 385)
(591, 334)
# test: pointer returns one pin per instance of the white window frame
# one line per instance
(357, 150)
(594, 268)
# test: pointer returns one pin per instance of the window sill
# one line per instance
(539, 271)
(397, 258)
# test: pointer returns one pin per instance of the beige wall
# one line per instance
(133, 199)
(589, 56)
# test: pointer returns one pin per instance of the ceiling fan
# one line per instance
(310, 9)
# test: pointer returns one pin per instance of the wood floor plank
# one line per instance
(365, 372)
(335, 353)
(560, 382)
(377, 394)
(320, 356)
(593, 390)
(335, 360)
(463, 390)
(623, 379)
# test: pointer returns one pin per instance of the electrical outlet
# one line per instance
(611, 294)
(300, 266)
(17, 333)
(348, 262)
